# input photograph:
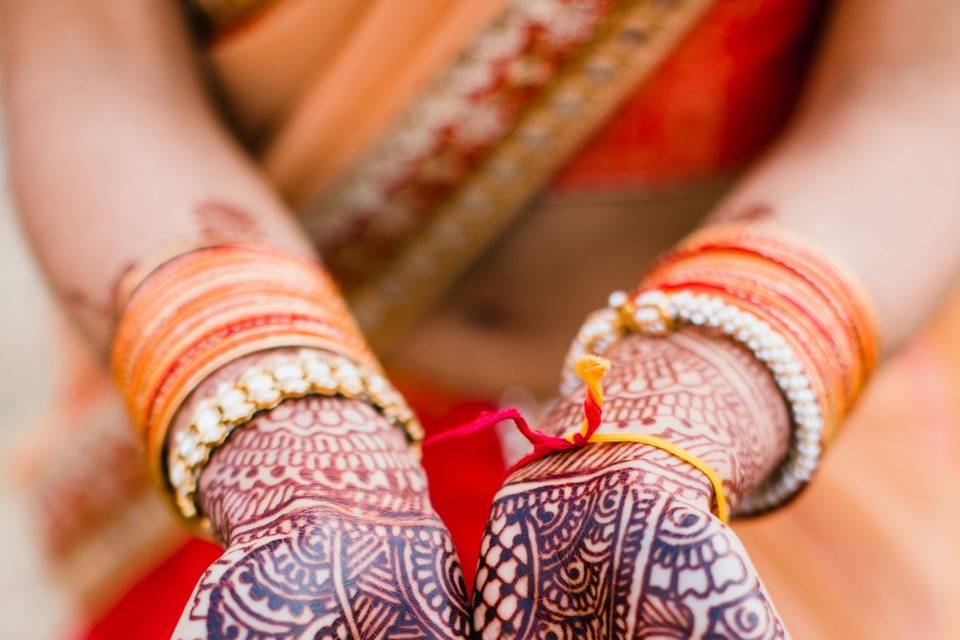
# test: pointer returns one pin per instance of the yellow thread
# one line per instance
(591, 370)
(723, 509)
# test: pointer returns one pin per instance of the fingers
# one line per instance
(614, 555)
(700, 583)
(328, 577)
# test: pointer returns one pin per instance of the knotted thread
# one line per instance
(591, 370)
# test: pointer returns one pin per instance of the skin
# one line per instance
(618, 541)
(109, 88)
(327, 528)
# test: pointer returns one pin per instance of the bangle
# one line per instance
(656, 313)
(262, 388)
(797, 313)
(203, 309)
(810, 300)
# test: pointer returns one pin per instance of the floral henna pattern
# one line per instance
(628, 552)
(329, 533)
(617, 541)
(329, 453)
(706, 394)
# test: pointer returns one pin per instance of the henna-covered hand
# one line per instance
(329, 533)
(618, 540)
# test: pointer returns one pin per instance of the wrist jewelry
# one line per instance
(795, 312)
(655, 313)
(204, 309)
(262, 388)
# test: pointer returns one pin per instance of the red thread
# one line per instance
(543, 444)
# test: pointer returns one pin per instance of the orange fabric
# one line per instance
(392, 53)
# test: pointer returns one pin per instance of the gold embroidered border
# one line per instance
(634, 39)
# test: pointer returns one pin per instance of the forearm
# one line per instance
(254, 479)
(867, 172)
(114, 152)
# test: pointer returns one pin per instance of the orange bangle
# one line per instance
(795, 310)
(201, 310)
(792, 287)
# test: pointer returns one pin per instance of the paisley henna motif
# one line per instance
(617, 541)
(329, 532)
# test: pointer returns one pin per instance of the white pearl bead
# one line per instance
(206, 420)
(287, 371)
(809, 449)
(617, 299)
(177, 472)
(646, 315)
(237, 411)
(655, 298)
(294, 386)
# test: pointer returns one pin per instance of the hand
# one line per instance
(329, 533)
(618, 540)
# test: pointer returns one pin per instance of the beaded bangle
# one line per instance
(262, 388)
(655, 313)
(203, 309)
(797, 313)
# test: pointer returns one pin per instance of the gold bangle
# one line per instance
(261, 388)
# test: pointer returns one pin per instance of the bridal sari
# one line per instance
(408, 137)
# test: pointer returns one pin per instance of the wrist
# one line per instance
(236, 402)
(319, 454)
(699, 391)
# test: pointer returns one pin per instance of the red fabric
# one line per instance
(719, 99)
(151, 608)
(464, 474)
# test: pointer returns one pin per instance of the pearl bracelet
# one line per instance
(262, 388)
(657, 313)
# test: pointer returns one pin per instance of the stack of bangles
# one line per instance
(795, 311)
(202, 310)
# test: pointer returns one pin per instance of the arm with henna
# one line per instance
(618, 540)
(115, 154)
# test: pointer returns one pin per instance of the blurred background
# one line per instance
(29, 607)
